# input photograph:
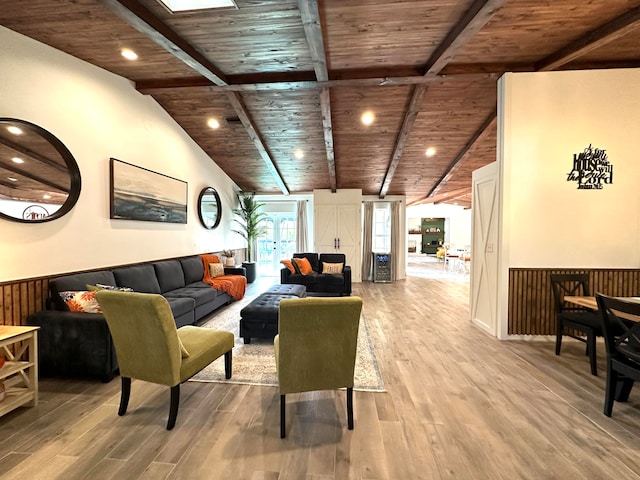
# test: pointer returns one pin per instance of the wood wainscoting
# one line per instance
(20, 298)
(531, 300)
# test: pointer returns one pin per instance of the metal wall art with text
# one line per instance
(591, 169)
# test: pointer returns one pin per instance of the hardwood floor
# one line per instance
(459, 404)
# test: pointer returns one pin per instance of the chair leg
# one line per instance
(559, 329)
(591, 349)
(228, 363)
(282, 416)
(612, 380)
(173, 408)
(623, 389)
(350, 407)
(124, 395)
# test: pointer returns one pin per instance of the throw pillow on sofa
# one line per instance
(99, 286)
(289, 265)
(81, 301)
(216, 270)
(332, 267)
(303, 264)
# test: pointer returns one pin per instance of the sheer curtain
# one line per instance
(302, 227)
(395, 239)
(367, 240)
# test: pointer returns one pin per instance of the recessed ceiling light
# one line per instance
(46, 196)
(12, 179)
(367, 118)
(183, 5)
(129, 54)
(430, 152)
(17, 160)
(298, 154)
(14, 130)
(213, 123)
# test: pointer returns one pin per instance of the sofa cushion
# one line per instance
(192, 269)
(200, 295)
(306, 280)
(331, 279)
(169, 275)
(142, 278)
(332, 258)
(181, 305)
(77, 282)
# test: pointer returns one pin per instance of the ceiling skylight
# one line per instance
(184, 5)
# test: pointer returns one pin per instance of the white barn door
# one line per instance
(485, 248)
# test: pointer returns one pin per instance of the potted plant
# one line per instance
(249, 219)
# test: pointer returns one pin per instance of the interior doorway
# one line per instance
(277, 242)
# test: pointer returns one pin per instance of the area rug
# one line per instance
(254, 364)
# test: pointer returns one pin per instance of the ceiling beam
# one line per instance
(467, 27)
(256, 138)
(327, 128)
(442, 197)
(148, 24)
(469, 24)
(313, 33)
(478, 136)
(143, 20)
(417, 98)
(285, 84)
(610, 31)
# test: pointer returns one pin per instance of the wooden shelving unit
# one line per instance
(432, 230)
(19, 346)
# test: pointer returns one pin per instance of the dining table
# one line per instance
(591, 303)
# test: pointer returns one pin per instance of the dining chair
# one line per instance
(571, 318)
(622, 341)
(149, 347)
(316, 347)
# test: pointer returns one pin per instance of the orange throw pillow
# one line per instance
(303, 265)
(289, 265)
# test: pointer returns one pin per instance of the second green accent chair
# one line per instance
(316, 347)
(150, 348)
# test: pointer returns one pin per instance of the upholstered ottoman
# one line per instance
(259, 319)
(288, 289)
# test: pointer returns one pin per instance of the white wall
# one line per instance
(547, 118)
(98, 115)
(546, 222)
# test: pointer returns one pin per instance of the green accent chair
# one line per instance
(316, 347)
(150, 348)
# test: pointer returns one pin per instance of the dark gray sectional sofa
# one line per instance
(76, 343)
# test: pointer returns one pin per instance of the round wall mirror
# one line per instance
(39, 178)
(209, 208)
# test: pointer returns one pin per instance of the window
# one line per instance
(382, 227)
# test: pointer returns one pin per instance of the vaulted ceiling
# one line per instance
(283, 76)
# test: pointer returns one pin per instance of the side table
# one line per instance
(20, 371)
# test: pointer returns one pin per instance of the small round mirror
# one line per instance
(209, 208)
(39, 178)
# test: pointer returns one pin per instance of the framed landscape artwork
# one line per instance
(140, 194)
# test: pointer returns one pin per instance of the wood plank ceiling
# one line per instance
(298, 74)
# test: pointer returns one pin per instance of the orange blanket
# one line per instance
(234, 285)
